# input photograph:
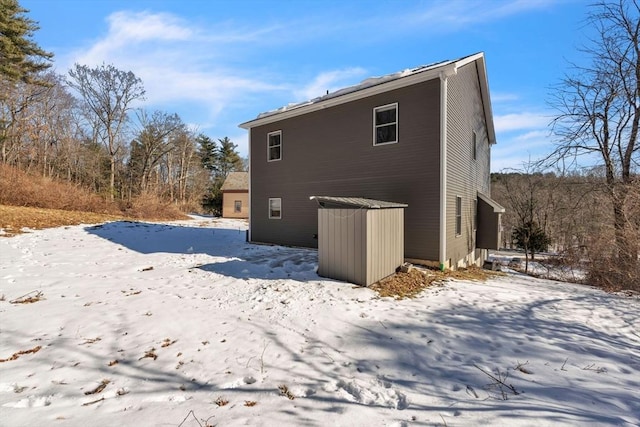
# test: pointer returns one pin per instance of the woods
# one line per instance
(91, 128)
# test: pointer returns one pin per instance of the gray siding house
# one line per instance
(420, 137)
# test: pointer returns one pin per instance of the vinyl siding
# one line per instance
(330, 152)
(228, 203)
(465, 176)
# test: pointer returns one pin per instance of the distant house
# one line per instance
(420, 137)
(235, 195)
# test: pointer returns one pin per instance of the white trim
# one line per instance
(443, 172)
(446, 68)
(275, 132)
(497, 208)
(392, 106)
(269, 207)
(430, 74)
(458, 234)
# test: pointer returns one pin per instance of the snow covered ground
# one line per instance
(185, 324)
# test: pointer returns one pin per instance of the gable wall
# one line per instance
(228, 203)
(465, 176)
(330, 153)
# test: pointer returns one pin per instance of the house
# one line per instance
(420, 137)
(235, 195)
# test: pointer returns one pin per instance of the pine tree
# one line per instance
(208, 151)
(228, 158)
(220, 159)
(20, 57)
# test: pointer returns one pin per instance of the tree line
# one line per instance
(589, 213)
(88, 128)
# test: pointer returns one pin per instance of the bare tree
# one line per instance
(152, 143)
(599, 110)
(108, 94)
(525, 194)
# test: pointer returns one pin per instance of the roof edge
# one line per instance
(385, 86)
(497, 208)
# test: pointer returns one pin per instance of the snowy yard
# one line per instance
(185, 324)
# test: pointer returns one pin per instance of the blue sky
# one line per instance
(220, 63)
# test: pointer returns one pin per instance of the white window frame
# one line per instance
(376, 126)
(279, 201)
(279, 133)
(237, 206)
(458, 216)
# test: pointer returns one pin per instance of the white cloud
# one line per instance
(329, 81)
(498, 97)
(452, 15)
(519, 121)
(174, 60)
(515, 149)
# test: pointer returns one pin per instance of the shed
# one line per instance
(359, 240)
(235, 195)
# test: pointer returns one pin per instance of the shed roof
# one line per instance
(497, 208)
(236, 181)
(357, 202)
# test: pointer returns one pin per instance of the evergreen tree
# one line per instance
(530, 237)
(208, 151)
(20, 57)
(228, 158)
(219, 160)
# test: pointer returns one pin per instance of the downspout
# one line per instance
(444, 75)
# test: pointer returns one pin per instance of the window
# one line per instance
(458, 216)
(475, 215)
(275, 208)
(274, 146)
(237, 206)
(474, 144)
(385, 124)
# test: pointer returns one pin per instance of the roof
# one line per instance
(376, 85)
(236, 181)
(356, 202)
(497, 208)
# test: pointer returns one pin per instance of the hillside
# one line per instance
(32, 201)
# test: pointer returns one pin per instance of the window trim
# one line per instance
(237, 206)
(269, 207)
(276, 132)
(393, 105)
(458, 217)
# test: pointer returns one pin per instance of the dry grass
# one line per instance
(13, 218)
(31, 201)
(409, 285)
(18, 188)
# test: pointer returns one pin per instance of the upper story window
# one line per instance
(274, 146)
(385, 124)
